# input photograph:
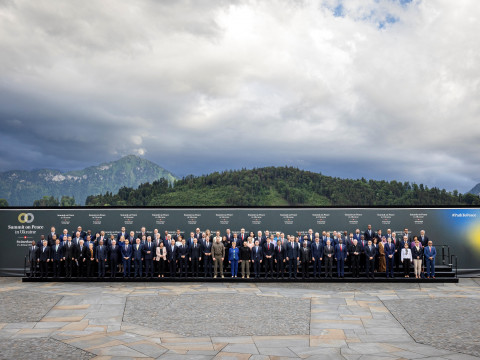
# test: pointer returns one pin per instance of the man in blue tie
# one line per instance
(148, 252)
(102, 256)
(390, 256)
(126, 258)
(257, 258)
(430, 252)
(340, 256)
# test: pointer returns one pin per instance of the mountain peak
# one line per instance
(475, 190)
(21, 188)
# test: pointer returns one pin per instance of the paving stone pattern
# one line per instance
(25, 306)
(107, 321)
(42, 348)
(452, 323)
(220, 314)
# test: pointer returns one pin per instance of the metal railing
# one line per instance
(454, 265)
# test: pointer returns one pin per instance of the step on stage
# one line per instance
(443, 274)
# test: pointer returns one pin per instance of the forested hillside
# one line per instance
(276, 186)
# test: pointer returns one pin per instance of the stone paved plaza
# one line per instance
(239, 321)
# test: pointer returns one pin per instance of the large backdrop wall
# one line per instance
(459, 228)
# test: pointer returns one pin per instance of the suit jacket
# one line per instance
(137, 252)
(341, 254)
(69, 252)
(172, 254)
(33, 253)
(389, 249)
(119, 235)
(305, 254)
(292, 250)
(146, 255)
(268, 250)
(195, 251)
(101, 253)
(370, 252)
(279, 254)
(81, 253)
(127, 252)
(50, 238)
(233, 254)
(369, 236)
(257, 253)
(355, 248)
(44, 253)
(206, 249)
(430, 251)
(317, 251)
(183, 251)
(83, 234)
(417, 253)
(114, 254)
(424, 242)
(56, 253)
(328, 251)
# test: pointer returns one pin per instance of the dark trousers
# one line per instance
(406, 267)
(33, 268)
(268, 266)
(138, 267)
(56, 268)
(317, 267)
(195, 267)
(207, 266)
(397, 260)
(340, 267)
(126, 267)
(183, 266)
(362, 261)
(43, 269)
(80, 269)
(280, 268)
(390, 261)
(113, 268)
(68, 267)
(370, 267)
(101, 268)
(172, 264)
(257, 268)
(328, 266)
(292, 267)
(355, 259)
(90, 267)
(304, 267)
(149, 267)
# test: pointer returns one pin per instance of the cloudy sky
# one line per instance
(382, 89)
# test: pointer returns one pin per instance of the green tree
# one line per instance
(46, 201)
(67, 201)
(3, 203)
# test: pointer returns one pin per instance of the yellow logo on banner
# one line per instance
(25, 218)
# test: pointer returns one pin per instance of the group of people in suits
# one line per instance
(141, 254)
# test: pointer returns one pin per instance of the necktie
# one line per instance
(268, 247)
(340, 247)
(33, 247)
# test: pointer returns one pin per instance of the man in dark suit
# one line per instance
(305, 256)
(148, 254)
(56, 256)
(390, 256)
(317, 256)
(198, 235)
(369, 234)
(82, 234)
(207, 256)
(101, 257)
(195, 256)
(142, 233)
(53, 240)
(268, 252)
(126, 252)
(292, 257)
(279, 257)
(328, 255)
(44, 258)
(370, 252)
(183, 257)
(33, 258)
(355, 251)
(81, 257)
(257, 258)
(423, 238)
(398, 250)
(172, 258)
(340, 256)
(113, 255)
(123, 233)
(69, 256)
(177, 236)
(50, 236)
(138, 258)
(40, 242)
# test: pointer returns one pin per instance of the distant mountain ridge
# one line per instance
(475, 190)
(21, 188)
